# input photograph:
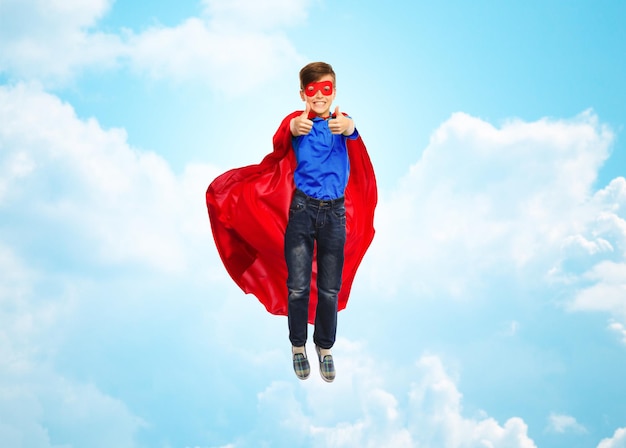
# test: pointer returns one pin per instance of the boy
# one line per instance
(317, 188)
(317, 215)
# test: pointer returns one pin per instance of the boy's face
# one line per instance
(321, 99)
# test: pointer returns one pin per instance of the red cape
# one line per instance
(249, 208)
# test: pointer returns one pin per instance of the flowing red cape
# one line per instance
(249, 208)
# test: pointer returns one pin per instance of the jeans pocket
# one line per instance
(340, 212)
(298, 205)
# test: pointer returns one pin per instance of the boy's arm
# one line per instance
(341, 124)
(350, 129)
(301, 125)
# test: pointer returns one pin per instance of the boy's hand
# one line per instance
(341, 124)
(301, 125)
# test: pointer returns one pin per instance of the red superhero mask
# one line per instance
(326, 87)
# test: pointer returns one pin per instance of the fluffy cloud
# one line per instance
(77, 202)
(607, 293)
(433, 415)
(617, 441)
(484, 198)
(198, 50)
(255, 15)
(37, 404)
(96, 237)
(82, 196)
(619, 329)
(602, 281)
(231, 41)
(437, 418)
(560, 423)
(55, 41)
(39, 401)
(126, 205)
(513, 202)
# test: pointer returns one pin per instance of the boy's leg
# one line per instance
(299, 243)
(331, 238)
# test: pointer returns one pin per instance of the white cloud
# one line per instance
(619, 329)
(490, 201)
(512, 328)
(84, 217)
(37, 400)
(124, 204)
(608, 292)
(437, 420)
(617, 441)
(20, 321)
(70, 184)
(249, 14)
(33, 397)
(561, 423)
(54, 40)
(586, 247)
(433, 417)
(232, 60)
(594, 262)
(603, 284)
(234, 46)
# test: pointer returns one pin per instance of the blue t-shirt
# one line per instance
(323, 164)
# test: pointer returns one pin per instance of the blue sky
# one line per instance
(490, 310)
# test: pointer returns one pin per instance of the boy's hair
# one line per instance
(314, 71)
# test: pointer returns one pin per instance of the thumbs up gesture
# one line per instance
(301, 125)
(341, 124)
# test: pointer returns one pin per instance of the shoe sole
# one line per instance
(328, 380)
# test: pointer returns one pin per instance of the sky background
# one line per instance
(490, 310)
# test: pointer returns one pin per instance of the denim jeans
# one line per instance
(323, 222)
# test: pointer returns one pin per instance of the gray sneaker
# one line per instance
(327, 366)
(301, 364)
